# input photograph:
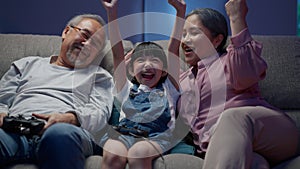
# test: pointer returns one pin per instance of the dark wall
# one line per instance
(265, 17)
(51, 16)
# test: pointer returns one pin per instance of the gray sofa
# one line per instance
(281, 88)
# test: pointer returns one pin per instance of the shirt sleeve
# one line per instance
(244, 64)
(95, 114)
(8, 88)
(172, 94)
(123, 95)
(10, 82)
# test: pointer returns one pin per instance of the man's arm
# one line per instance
(92, 115)
(8, 89)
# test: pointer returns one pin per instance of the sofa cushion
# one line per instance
(178, 161)
(22, 166)
(290, 164)
(93, 162)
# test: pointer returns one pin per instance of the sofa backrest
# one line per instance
(16, 46)
(281, 87)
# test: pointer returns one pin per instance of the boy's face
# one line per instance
(148, 70)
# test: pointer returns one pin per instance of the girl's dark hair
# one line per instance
(215, 22)
(148, 49)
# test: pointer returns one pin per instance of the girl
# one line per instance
(148, 102)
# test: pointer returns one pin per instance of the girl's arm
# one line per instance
(116, 43)
(175, 40)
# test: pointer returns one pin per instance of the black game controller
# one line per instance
(21, 125)
(131, 131)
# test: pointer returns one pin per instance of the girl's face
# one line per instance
(196, 41)
(148, 70)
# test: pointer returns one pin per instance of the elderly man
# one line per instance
(71, 93)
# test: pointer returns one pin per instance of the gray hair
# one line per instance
(77, 19)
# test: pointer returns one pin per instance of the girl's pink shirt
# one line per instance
(222, 82)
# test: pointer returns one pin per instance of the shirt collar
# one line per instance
(207, 61)
(144, 88)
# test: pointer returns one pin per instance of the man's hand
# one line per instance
(57, 118)
(2, 115)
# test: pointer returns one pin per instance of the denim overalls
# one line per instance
(146, 111)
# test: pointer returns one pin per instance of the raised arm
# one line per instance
(116, 43)
(175, 40)
(237, 11)
(245, 63)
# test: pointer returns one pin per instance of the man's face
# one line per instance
(81, 44)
